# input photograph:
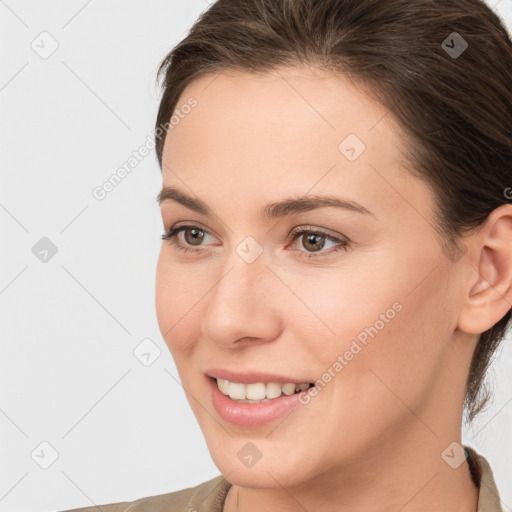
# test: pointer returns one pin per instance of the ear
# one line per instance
(488, 295)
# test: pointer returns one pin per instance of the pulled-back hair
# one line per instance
(454, 108)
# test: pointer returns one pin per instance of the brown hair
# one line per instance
(455, 109)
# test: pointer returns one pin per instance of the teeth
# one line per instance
(251, 393)
(289, 389)
(236, 391)
(254, 391)
(223, 386)
(273, 389)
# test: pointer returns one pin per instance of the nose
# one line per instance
(243, 306)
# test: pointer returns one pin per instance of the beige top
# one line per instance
(209, 496)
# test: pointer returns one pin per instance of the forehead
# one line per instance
(296, 130)
(286, 103)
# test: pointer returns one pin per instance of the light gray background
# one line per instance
(69, 326)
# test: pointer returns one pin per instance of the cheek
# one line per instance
(342, 303)
(393, 350)
(163, 295)
(388, 322)
(176, 292)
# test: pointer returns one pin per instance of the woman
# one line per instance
(336, 270)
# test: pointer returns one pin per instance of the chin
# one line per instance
(274, 472)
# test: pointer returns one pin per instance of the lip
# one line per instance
(252, 377)
(251, 415)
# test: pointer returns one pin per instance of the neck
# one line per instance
(408, 476)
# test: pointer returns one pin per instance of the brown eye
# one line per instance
(193, 235)
(196, 235)
(313, 241)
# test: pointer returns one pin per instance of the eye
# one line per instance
(313, 240)
(197, 235)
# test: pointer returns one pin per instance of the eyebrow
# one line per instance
(289, 206)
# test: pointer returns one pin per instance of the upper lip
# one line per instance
(249, 377)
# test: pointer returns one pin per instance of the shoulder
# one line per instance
(208, 496)
(483, 477)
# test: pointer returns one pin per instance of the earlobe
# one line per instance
(489, 295)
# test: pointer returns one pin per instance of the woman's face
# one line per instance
(371, 317)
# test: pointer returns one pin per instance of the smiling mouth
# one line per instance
(259, 391)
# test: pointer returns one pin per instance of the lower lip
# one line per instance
(251, 415)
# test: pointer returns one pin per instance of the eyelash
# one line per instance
(296, 233)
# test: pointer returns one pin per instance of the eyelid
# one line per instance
(315, 229)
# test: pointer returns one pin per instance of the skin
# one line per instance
(372, 439)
